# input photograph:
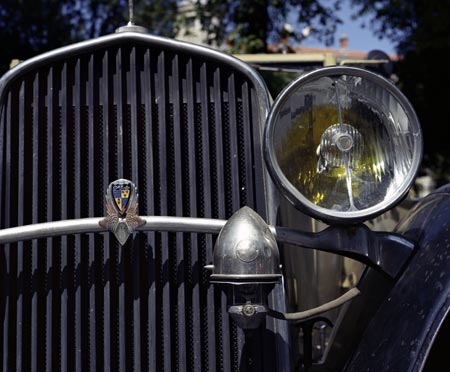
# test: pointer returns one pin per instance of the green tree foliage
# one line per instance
(92, 18)
(420, 29)
(414, 25)
(101, 17)
(31, 27)
(248, 25)
(159, 16)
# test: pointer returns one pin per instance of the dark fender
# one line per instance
(400, 335)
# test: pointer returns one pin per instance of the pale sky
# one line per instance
(361, 39)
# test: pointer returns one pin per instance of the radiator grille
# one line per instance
(187, 132)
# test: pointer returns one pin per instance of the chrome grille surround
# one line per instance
(185, 124)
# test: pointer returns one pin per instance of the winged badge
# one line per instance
(122, 217)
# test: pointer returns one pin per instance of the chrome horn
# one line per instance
(246, 265)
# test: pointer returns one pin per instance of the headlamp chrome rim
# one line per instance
(294, 196)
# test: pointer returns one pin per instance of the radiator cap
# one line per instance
(131, 27)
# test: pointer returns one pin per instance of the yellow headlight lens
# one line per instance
(343, 144)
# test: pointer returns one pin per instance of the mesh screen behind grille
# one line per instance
(184, 132)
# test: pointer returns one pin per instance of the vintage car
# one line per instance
(161, 212)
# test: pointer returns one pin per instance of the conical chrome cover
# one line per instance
(246, 251)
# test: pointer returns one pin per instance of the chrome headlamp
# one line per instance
(343, 144)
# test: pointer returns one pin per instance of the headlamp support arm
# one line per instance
(386, 252)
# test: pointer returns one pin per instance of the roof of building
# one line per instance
(338, 53)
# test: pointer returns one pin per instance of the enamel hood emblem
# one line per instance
(122, 217)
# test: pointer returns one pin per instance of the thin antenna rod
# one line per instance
(131, 27)
(130, 11)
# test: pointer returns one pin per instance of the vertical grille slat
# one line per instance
(147, 201)
(217, 175)
(34, 143)
(90, 274)
(119, 94)
(8, 159)
(3, 300)
(206, 291)
(35, 219)
(177, 143)
(233, 150)
(9, 324)
(20, 246)
(186, 130)
(260, 197)
(48, 274)
(77, 250)
(60, 349)
(134, 101)
(246, 151)
(163, 305)
(118, 101)
(194, 348)
(104, 291)
(3, 120)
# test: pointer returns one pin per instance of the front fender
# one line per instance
(400, 335)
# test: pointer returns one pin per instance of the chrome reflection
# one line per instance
(337, 140)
